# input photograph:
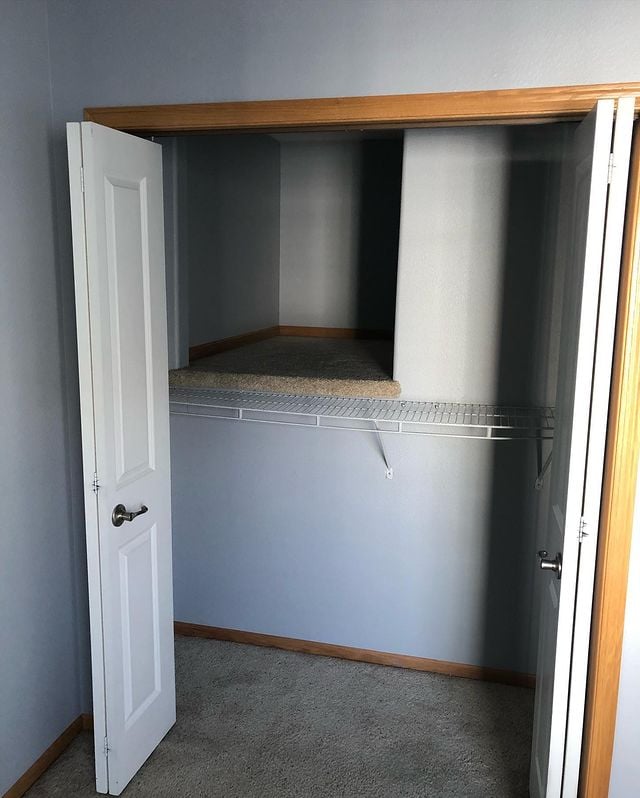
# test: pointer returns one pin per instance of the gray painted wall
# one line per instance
(340, 204)
(229, 214)
(116, 53)
(40, 545)
(297, 532)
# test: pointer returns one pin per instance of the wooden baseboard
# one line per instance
(87, 721)
(224, 344)
(335, 332)
(45, 760)
(358, 654)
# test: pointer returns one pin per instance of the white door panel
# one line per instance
(588, 320)
(125, 320)
(607, 308)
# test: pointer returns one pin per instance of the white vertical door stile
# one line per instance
(603, 361)
(117, 222)
(594, 189)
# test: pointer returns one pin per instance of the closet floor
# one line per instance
(258, 722)
(298, 365)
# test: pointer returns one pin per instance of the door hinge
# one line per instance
(106, 748)
(582, 530)
(95, 483)
(82, 179)
(611, 167)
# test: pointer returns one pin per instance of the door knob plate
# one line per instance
(551, 564)
(120, 514)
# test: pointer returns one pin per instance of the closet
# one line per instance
(406, 525)
(403, 524)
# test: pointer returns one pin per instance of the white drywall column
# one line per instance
(452, 231)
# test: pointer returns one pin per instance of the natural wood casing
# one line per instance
(225, 344)
(357, 654)
(343, 113)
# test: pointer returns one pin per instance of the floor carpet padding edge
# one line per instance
(192, 377)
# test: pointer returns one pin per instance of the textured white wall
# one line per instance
(475, 298)
(320, 217)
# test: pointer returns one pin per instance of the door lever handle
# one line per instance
(548, 564)
(120, 514)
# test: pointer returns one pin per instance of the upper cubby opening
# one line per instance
(291, 246)
(426, 261)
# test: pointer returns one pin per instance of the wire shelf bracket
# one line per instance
(442, 419)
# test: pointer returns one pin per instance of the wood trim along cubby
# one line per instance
(525, 105)
(225, 344)
(357, 654)
(618, 502)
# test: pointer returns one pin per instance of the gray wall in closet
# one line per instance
(339, 221)
(228, 202)
(297, 532)
(195, 51)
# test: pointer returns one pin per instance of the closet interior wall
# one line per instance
(295, 531)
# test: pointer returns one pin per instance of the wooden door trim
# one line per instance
(514, 106)
(618, 502)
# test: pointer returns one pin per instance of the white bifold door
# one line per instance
(593, 198)
(118, 247)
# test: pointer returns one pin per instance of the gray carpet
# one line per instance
(261, 723)
(290, 364)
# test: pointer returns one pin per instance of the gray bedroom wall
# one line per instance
(40, 545)
(340, 205)
(230, 220)
(117, 53)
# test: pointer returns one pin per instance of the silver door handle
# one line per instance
(120, 514)
(548, 564)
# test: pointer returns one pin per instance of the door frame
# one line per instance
(513, 106)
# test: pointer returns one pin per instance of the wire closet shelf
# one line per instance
(467, 420)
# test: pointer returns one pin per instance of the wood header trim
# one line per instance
(618, 502)
(378, 111)
(357, 654)
(46, 759)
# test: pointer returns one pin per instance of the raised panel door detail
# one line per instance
(138, 565)
(128, 265)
